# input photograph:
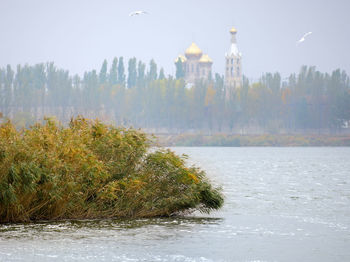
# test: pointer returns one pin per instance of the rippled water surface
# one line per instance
(281, 204)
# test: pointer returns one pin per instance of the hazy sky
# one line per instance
(79, 34)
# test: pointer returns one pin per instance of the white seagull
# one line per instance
(303, 38)
(138, 13)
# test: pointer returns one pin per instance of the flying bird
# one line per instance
(138, 13)
(303, 38)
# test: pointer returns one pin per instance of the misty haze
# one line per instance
(174, 130)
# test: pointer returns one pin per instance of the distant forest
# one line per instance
(307, 102)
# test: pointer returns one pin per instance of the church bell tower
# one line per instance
(233, 67)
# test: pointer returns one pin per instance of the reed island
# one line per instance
(89, 170)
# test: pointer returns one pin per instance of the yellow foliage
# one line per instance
(209, 97)
(193, 177)
(285, 95)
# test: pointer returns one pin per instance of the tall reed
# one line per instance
(93, 170)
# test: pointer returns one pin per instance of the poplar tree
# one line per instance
(8, 89)
(103, 73)
(161, 74)
(113, 73)
(141, 72)
(152, 74)
(179, 69)
(121, 71)
(132, 73)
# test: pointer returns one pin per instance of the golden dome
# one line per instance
(205, 59)
(193, 50)
(182, 59)
(233, 30)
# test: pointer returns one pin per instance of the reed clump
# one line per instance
(93, 170)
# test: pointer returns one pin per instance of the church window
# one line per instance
(203, 72)
(231, 71)
(237, 70)
(231, 61)
(192, 68)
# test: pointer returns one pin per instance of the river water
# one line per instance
(281, 204)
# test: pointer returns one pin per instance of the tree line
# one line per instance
(143, 97)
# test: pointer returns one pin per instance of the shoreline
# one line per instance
(224, 140)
